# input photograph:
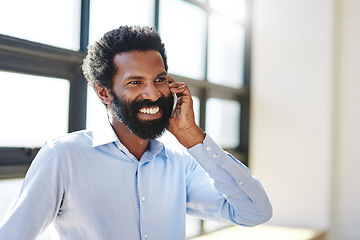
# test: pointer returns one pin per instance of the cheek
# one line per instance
(128, 96)
(165, 91)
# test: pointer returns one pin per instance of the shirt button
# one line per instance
(241, 183)
(214, 155)
(143, 198)
(208, 149)
(146, 235)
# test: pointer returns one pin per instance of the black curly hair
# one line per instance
(98, 66)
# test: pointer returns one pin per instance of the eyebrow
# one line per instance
(161, 74)
(135, 77)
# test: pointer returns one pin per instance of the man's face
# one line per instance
(141, 98)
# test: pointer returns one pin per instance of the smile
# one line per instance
(152, 110)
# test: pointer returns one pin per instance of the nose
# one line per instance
(151, 92)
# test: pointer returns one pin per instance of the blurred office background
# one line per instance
(276, 83)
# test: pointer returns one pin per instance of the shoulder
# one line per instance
(66, 145)
(60, 153)
(71, 140)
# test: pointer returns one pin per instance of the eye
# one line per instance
(160, 79)
(135, 82)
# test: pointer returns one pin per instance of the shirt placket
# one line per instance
(143, 203)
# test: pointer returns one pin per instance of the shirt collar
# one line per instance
(104, 135)
(155, 146)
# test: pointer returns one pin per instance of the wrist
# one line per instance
(191, 137)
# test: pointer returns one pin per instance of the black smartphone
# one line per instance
(174, 105)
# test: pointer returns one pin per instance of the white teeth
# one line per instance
(153, 110)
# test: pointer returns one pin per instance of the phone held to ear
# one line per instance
(174, 105)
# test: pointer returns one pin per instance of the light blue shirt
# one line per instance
(92, 188)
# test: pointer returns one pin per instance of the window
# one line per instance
(184, 37)
(207, 43)
(210, 51)
(27, 119)
(42, 50)
(110, 14)
(226, 51)
(223, 121)
(43, 85)
(50, 22)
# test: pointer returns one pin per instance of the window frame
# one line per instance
(205, 89)
(27, 57)
(23, 56)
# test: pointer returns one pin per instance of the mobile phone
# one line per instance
(174, 105)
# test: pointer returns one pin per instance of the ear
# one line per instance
(104, 94)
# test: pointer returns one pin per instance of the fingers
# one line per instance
(173, 83)
(170, 79)
(181, 90)
(176, 87)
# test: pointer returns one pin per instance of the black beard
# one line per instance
(126, 112)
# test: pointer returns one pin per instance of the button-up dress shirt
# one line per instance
(91, 187)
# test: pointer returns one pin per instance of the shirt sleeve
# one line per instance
(234, 194)
(38, 200)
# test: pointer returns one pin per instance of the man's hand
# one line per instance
(182, 125)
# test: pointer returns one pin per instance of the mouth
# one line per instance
(151, 110)
(149, 113)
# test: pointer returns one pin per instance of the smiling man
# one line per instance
(119, 182)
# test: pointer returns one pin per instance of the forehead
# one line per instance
(138, 62)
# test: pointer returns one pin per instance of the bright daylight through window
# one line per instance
(42, 44)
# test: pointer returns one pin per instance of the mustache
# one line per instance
(137, 105)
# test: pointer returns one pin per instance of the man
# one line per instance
(121, 183)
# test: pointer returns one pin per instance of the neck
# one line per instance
(136, 145)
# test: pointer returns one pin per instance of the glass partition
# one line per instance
(223, 121)
(33, 109)
(106, 15)
(54, 23)
(96, 112)
(226, 52)
(183, 30)
(234, 9)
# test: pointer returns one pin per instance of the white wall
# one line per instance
(345, 221)
(304, 112)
